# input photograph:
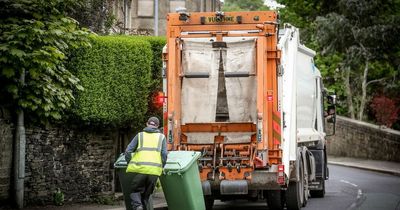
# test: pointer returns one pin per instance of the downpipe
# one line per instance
(19, 161)
(19, 155)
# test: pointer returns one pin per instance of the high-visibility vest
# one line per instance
(147, 158)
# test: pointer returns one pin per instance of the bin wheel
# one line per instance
(209, 202)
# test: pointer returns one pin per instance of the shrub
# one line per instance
(58, 197)
(157, 44)
(116, 75)
(385, 110)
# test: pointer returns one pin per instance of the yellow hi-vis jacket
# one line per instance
(147, 157)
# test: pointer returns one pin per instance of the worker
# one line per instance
(146, 155)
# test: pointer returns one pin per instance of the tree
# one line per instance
(357, 48)
(244, 5)
(365, 32)
(303, 13)
(34, 43)
(35, 36)
(94, 14)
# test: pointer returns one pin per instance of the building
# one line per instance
(137, 17)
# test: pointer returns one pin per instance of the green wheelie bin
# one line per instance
(126, 179)
(181, 181)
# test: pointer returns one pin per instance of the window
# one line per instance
(173, 4)
(145, 8)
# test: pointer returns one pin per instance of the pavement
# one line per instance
(371, 165)
(160, 203)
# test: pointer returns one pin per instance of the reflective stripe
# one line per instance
(160, 142)
(146, 164)
(140, 140)
(148, 149)
(276, 127)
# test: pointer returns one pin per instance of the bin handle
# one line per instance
(177, 172)
(180, 167)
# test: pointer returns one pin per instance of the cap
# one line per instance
(153, 121)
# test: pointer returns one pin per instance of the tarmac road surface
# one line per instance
(347, 188)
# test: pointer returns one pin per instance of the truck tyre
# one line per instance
(295, 192)
(306, 189)
(209, 202)
(319, 193)
(274, 199)
(305, 198)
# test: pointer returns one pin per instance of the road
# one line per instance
(347, 188)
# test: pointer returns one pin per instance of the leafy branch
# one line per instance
(35, 39)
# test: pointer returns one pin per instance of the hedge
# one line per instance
(116, 73)
(157, 44)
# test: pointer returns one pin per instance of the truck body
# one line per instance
(247, 95)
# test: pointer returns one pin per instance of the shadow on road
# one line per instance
(234, 205)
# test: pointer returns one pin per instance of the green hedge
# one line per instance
(157, 44)
(116, 75)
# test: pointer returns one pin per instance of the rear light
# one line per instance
(258, 162)
(281, 175)
(159, 99)
(270, 97)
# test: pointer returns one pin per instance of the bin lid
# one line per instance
(121, 162)
(181, 160)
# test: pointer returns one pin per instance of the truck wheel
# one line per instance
(319, 193)
(209, 202)
(306, 190)
(274, 199)
(295, 192)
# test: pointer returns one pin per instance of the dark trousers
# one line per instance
(143, 185)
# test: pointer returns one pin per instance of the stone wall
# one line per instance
(79, 161)
(364, 140)
(6, 150)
